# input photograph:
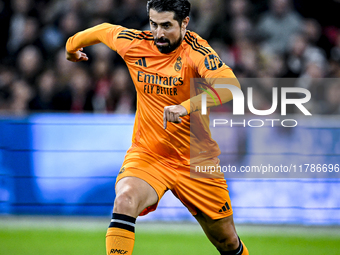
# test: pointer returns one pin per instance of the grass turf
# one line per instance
(70, 241)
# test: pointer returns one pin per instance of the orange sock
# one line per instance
(120, 236)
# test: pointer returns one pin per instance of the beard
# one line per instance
(170, 47)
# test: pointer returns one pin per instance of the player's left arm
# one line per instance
(212, 71)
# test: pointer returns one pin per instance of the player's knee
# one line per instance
(125, 203)
(228, 243)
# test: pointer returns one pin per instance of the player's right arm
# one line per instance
(77, 56)
(104, 33)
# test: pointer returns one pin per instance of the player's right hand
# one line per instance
(77, 56)
(173, 113)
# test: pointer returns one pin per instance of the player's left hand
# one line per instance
(173, 113)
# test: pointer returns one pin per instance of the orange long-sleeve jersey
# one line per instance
(162, 80)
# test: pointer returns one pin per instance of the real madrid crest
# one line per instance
(178, 64)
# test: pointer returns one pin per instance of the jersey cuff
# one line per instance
(69, 46)
(186, 105)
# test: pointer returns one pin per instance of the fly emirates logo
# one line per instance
(161, 85)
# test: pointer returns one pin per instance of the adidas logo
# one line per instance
(225, 207)
(141, 62)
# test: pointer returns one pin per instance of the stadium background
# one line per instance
(59, 158)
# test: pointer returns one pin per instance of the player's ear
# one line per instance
(185, 22)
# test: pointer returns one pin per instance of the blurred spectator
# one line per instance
(64, 68)
(57, 30)
(315, 35)
(301, 53)
(7, 77)
(77, 95)
(132, 14)
(102, 66)
(312, 30)
(70, 24)
(312, 78)
(21, 10)
(209, 22)
(335, 58)
(334, 68)
(277, 25)
(104, 9)
(274, 66)
(54, 9)
(81, 91)
(21, 94)
(332, 102)
(52, 39)
(30, 34)
(240, 21)
(241, 28)
(30, 63)
(102, 86)
(43, 98)
(240, 8)
(100, 52)
(122, 99)
(246, 56)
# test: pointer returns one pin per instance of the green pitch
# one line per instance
(71, 238)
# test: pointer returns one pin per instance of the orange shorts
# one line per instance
(208, 195)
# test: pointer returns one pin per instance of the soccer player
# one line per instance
(169, 135)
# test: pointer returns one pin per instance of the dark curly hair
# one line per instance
(181, 8)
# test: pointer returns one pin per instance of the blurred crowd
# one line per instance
(263, 39)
